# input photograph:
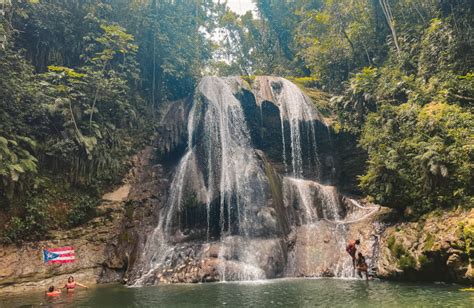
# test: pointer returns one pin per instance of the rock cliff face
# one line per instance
(436, 248)
(105, 246)
(22, 267)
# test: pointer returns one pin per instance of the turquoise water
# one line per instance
(270, 293)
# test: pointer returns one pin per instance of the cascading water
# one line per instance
(243, 236)
(231, 163)
(231, 160)
(229, 173)
(157, 247)
(316, 201)
(299, 113)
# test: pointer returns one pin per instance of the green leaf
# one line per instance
(3, 141)
(18, 168)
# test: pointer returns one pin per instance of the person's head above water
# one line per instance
(357, 242)
(70, 279)
(51, 289)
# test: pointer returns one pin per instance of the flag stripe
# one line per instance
(60, 249)
(66, 255)
(65, 252)
(61, 261)
(65, 258)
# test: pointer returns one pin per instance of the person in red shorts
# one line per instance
(352, 249)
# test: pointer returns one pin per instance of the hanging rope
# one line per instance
(357, 204)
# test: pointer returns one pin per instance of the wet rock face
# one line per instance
(350, 162)
(170, 140)
(318, 250)
(274, 124)
(436, 249)
(204, 262)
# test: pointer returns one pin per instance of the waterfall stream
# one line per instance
(234, 176)
(299, 114)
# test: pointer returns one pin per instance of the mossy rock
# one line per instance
(124, 237)
(390, 242)
(407, 262)
(468, 236)
(191, 201)
(429, 242)
(397, 250)
(129, 210)
(424, 261)
(249, 80)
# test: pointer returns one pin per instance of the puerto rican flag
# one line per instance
(59, 255)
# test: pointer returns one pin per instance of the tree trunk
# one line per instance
(388, 16)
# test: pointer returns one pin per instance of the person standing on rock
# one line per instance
(362, 266)
(352, 249)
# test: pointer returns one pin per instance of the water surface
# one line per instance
(269, 293)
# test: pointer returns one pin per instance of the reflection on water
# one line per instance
(268, 293)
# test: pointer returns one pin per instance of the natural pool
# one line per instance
(268, 293)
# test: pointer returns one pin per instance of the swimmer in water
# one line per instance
(53, 291)
(71, 284)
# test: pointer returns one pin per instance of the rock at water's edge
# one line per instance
(436, 248)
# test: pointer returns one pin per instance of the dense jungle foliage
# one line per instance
(81, 81)
(79, 85)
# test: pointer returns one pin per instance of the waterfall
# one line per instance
(297, 110)
(231, 161)
(157, 247)
(299, 192)
(218, 140)
(310, 197)
(247, 214)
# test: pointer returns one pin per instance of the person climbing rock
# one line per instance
(362, 266)
(71, 284)
(352, 249)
